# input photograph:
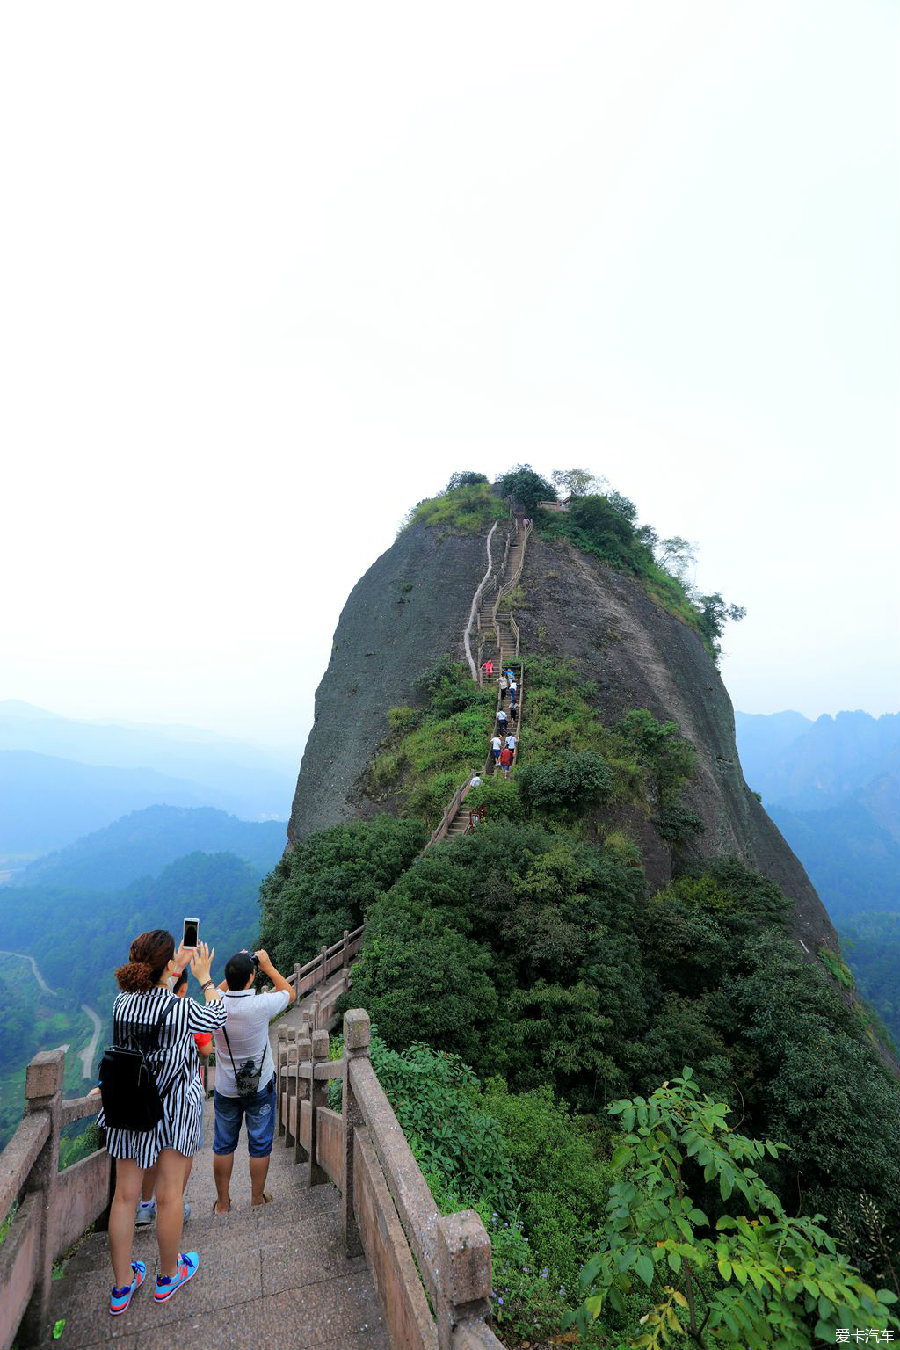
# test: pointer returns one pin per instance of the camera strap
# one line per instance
(257, 1071)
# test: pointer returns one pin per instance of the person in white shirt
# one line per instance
(245, 1074)
(496, 747)
(511, 742)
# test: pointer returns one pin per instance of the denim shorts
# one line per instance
(259, 1113)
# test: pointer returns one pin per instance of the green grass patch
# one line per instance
(462, 510)
(837, 967)
(434, 744)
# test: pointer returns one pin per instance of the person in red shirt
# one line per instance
(506, 759)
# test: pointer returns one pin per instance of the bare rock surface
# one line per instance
(410, 607)
(643, 657)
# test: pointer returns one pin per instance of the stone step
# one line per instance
(275, 1275)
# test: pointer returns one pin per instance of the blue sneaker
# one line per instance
(146, 1213)
(120, 1298)
(167, 1285)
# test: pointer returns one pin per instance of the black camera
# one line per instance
(255, 959)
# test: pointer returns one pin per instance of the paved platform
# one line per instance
(275, 1276)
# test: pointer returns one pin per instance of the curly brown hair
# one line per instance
(148, 957)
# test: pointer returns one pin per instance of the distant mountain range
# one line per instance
(61, 779)
(833, 788)
(76, 911)
(144, 842)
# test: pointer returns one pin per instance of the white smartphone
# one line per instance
(191, 933)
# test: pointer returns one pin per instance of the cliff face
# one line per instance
(643, 657)
(412, 605)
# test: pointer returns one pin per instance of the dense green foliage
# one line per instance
(536, 1173)
(33, 1020)
(723, 1261)
(327, 883)
(538, 959)
(871, 944)
(572, 783)
(524, 488)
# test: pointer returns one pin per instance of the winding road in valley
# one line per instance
(87, 1054)
(42, 983)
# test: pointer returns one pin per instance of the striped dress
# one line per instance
(173, 1057)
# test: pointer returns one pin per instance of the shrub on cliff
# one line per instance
(327, 883)
(571, 783)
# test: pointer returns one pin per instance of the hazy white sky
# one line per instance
(270, 274)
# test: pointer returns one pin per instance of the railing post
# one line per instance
(463, 1274)
(346, 954)
(318, 1097)
(43, 1092)
(282, 1082)
(297, 994)
(324, 975)
(357, 1035)
(304, 1054)
(291, 1085)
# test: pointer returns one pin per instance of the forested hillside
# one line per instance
(833, 788)
(614, 1016)
(142, 843)
(79, 909)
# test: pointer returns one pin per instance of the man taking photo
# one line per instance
(245, 1074)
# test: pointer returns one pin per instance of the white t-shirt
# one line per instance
(496, 742)
(247, 1023)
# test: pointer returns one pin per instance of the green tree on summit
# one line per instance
(525, 488)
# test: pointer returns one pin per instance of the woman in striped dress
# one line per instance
(146, 1002)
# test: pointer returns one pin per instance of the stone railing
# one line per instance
(473, 618)
(54, 1207)
(522, 531)
(456, 801)
(432, 1272)
(326, 963)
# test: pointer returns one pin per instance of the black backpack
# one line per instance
(131, 1099)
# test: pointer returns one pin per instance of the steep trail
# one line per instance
(501, 646)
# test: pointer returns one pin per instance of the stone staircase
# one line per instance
(508, 654)
(503, 653)
(273, 1276)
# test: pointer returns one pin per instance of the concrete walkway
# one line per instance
(274, 1277)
